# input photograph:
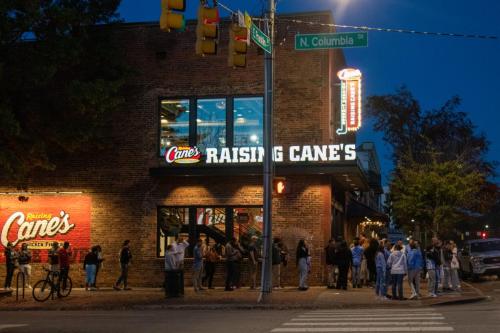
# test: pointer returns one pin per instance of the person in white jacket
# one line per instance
(399, 268)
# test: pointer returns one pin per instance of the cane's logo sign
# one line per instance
(34, 226)
(183, 155)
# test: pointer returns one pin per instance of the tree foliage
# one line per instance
(60, 78)
(441, 172)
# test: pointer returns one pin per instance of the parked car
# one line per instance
(480, 257)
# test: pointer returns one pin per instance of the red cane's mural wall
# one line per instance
(41, 220)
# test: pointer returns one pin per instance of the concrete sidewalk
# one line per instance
(287, 298)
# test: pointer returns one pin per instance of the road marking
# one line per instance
(366, 329)
(2, 327)
(367, 320)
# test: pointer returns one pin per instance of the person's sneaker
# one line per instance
(413, 296)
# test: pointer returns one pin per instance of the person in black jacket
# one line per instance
(343, 258)
(125, 258)
(90, 267)
(330, 253)
(302, 258)
(10, 261)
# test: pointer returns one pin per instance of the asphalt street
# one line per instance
(483, 317)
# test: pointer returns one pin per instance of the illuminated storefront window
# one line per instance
(211, 123)
(248, 121)
(174, 123)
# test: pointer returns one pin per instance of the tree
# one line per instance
(441, 172)
(61, 77)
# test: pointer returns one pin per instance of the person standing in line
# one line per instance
(180, 245)
(54, 257)
(90, 266)
(232, 255)
(10, 262)
(381, 270)
(343, 258)
(448, 257)
(357, 257)
(387, 253)
(302, 256)
(330, 252)
(284, 263)
(430, 264)
(171, 280)
(24, 261)
(211, 260)
(125, 259)
(64, 255)
(454, 266)
(100, 260)
(415, 264)
(437, 255)
(276, 263)
(197, 265)
(253, 261)
(397, 262)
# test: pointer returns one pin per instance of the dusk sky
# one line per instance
(433, 68)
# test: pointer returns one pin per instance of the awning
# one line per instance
(359, 211)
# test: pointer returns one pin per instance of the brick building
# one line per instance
(179, 99)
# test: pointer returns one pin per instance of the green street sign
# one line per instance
(304, 42)
(260, 38)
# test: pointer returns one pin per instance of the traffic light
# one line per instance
(280, 186)
(207, 30)
(170, 19)
(484, 235)
(238, 46)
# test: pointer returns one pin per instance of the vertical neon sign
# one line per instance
(350, 100)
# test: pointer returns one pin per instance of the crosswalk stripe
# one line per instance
(370, 318)
(374, 310)
(365, 329)
(369, 323)
(392, 315)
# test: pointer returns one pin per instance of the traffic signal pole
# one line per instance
(266, 280)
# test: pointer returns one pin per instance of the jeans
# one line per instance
(355, 275)
(414, 281)
(209, 271)
(380, 287)
(303, 271)
(455, 280)
(197, 278)
(397, 286)
(330, 277)
(8, 277)
(63, 277)
(438, 276)
(90, 274)
(276, 276)
(26, 269)
(123, 276)
(431, 283)
(446, 276)
(230, 272)
(342, 280)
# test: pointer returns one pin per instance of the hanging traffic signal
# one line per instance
(207, 30)
(170, 19)
(280, 186)
(484, 235)
(238, 46)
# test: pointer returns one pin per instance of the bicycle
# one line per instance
(47, 287)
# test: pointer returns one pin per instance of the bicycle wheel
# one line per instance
(64, 292)
(42, 290)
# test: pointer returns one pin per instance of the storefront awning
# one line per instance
(359, 211)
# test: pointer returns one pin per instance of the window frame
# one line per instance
(193, 115)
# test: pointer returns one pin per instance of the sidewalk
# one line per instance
(288, 298)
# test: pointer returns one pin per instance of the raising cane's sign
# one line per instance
(350, 100)
(42, 220)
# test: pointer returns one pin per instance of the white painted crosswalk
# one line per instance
(367, 320)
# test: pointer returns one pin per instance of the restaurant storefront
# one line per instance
(186, 159)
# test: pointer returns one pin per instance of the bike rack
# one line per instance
(19, 274)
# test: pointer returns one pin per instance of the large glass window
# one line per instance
(171, 222)
(248, 121)
(174, 124)
(211, 123)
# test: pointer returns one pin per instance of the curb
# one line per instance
(462, 301)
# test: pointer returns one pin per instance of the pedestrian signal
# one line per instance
(170, 18)
(280, 186)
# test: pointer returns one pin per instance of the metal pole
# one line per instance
(266, 281)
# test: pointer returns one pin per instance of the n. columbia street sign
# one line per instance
(330, 41)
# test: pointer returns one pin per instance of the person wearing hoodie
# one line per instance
(415, 264)
(357, 257)
(397, 263)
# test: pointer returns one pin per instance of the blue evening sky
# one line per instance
(434, 68)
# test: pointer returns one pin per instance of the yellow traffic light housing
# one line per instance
(169, 18)
(207, 30)
(238, 46)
